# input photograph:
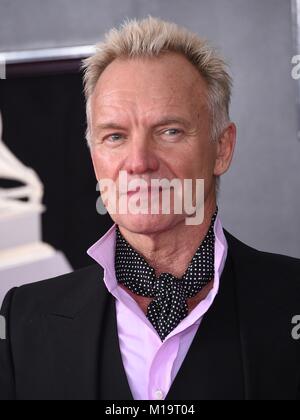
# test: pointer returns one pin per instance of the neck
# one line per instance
(171, 251)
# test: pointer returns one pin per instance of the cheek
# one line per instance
(190, 165)
(203, 162)
(104, 166)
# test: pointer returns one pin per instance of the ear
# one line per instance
(225, 149)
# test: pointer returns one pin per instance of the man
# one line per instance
(172, 309)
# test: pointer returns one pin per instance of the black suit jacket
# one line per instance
(62, 341)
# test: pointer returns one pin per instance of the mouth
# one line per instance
(149, 190)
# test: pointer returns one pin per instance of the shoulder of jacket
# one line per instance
(65, 291)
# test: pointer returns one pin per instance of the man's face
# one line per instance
(149, 118)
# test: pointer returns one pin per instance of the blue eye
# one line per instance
(172, 131)
(114, 137)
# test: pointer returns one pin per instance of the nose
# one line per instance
(141, 158)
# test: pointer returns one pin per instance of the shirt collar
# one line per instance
(104, 251)
(133, 270)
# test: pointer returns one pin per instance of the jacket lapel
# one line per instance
(81, 339)
(113, 379)
(213, 368)
(265, 313)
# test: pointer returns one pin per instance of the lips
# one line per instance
(144, 190)
(139, 190)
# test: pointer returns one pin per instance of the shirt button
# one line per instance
(159, 395)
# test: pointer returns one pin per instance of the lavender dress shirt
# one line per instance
(151, 365)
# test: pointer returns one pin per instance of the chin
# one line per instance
(147, 224)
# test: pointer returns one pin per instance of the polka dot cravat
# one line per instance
(169, 306)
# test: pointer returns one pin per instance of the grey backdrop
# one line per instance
(260, 200)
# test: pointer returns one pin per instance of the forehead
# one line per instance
(169, 80)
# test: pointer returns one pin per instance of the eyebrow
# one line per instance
(109, 125)
(172, 120)
(164, 121)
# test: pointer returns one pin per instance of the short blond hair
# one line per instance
(152, 37)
